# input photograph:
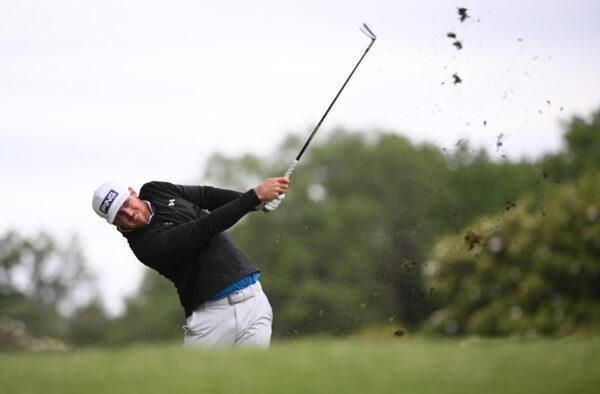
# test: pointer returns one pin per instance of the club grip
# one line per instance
(273, 204)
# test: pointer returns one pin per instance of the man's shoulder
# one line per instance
(159, 190)
(153, 187)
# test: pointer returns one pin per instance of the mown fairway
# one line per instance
(407, 365)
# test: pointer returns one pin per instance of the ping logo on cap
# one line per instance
(108, 200)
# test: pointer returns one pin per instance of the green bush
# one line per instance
(535, 269)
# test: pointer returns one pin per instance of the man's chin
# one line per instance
(140, 222)
(132, 226)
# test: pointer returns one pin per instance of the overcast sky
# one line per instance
(141, 90)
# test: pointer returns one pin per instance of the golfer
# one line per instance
(179, 231)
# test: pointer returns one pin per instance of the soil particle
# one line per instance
(456, 78)
(407, 263)
(462, 13)
(499, 142)
(472, 238)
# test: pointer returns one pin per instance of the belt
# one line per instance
(238, 296)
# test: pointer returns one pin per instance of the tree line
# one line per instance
(379, 230)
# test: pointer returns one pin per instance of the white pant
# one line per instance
(242, 319)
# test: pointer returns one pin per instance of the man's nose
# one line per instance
(128, 212)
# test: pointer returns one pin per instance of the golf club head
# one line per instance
(368, 32)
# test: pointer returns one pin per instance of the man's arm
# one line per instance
(211, 198)
(183, 240)
(206, 197)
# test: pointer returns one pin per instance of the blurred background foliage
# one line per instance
(533, 269)
(375, 230)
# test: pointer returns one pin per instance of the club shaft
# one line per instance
(333, 102)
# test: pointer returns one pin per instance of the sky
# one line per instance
(136, 90)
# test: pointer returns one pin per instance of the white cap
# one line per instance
(108, 199)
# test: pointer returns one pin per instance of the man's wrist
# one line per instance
(250, 200)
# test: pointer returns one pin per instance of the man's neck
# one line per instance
(150, 212)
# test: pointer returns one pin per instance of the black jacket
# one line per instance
(186, 244)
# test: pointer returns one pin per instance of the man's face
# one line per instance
(134, 213)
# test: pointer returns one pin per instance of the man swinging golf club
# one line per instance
(179, 231)
(169, 229)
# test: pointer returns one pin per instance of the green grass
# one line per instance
(406, 365)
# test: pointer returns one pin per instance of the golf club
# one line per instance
(273, 204)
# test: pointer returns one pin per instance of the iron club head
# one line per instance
(368, 32)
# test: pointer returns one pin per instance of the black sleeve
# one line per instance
(183, 240)
(206, 197)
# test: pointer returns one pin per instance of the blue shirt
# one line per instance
(238, 285)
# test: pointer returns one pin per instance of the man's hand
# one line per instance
(271, 188)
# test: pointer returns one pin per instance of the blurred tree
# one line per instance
(348, 245)
(533, 269)
(39, 281)
(153, 314)
(477, 185)
(89, 325)
(582, 151)
(344, 248)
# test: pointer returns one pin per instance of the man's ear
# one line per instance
(132, 192)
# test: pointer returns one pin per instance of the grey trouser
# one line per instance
(242, 319)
